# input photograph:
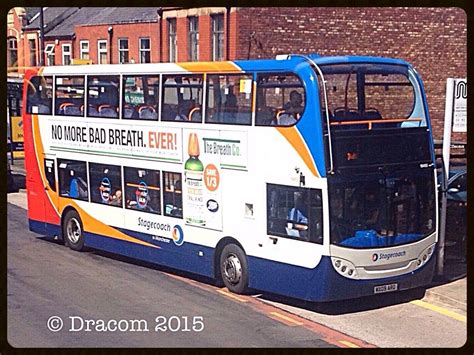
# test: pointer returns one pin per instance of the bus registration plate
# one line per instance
(386, 288)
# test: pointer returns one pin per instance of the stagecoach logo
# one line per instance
(105, 189)
(178, 235)
(387, 256)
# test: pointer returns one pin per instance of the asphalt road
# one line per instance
(46, 279)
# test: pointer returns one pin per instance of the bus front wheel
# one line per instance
(234, 269)
(72, 231)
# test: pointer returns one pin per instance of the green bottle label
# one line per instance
(194, 171)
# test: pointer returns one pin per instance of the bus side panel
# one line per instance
(185, 257)
(323, 283)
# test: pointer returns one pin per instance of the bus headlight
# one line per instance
(424, 256)
(344, 268)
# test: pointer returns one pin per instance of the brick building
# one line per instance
(434, 40)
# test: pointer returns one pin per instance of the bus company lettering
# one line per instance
(163, 140)
(388, 256)
(153, 225)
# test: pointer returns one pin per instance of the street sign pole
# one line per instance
(448, 117)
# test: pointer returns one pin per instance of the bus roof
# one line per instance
(288, 64)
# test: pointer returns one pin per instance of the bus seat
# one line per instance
(92, 111)
(72, 110)
(107, 111)
(147, 112)
(129, 112)
(44, 109)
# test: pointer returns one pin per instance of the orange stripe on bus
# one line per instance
(210, 67)
(293, 137)
(90, 224)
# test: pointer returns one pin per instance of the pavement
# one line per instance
(448, 290)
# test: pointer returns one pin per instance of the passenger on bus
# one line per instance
(297, 216)
(116, 198)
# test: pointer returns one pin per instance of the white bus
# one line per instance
(310, 177)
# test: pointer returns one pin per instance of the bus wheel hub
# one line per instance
(232, 269)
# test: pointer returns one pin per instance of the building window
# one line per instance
(84, 49)
(32, 48)
(102, 52)
(12, 52)
(173, 48)
(49, 51)
(218, 37)
(66, 54)
(193, 39)
(123, 50)
(145, 50)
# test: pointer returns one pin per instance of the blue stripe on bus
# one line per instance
(320, 284)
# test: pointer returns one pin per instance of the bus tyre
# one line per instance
(73, 235)
(234, 269)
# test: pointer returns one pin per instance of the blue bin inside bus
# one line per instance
(370, 238)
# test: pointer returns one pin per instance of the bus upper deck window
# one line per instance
(69, 96)
(103, 96)
(280, 99)
(182, 98)
(40, 95)
(229, 99)
(140, 97)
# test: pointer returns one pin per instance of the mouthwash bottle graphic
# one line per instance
(194, 171)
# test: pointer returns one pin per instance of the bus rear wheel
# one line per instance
(73, 234)
(234, 268)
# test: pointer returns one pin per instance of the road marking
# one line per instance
(440, 310)
(288, 319)
(349, 344)
(230, 295)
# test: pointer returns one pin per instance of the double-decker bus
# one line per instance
(305, 176)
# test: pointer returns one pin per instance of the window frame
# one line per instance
(172, 39)
(59, 163)
(143, 51)
(163, 173)
(276, 73)
(32, 50)
(102, 50)
(159, 188)
(87, 86)
(55, 87)
(82, 51)
(108, 166)
(124, 78)
(65, 54)
(206, 102)
(217, 37)
(193, 38)
(50, 54)
(123, 51)
(311, 238)
(28, 96)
